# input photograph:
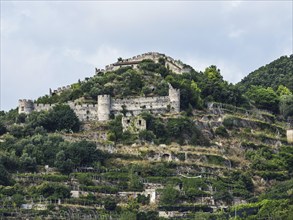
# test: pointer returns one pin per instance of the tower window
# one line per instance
(22, 108)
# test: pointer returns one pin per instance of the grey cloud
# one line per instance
(50, 44)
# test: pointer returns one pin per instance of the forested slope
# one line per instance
(278, 72)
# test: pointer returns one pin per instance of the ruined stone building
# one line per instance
(170, 63)
(106, 105)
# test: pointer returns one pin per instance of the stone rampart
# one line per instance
(107, 105)
(43, 107)
(85, 112)
(170, 63)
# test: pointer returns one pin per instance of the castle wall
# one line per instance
(157, 105)
(170, 63)
(85, 112)
(106, 106)
(43, 107)
(142, 103)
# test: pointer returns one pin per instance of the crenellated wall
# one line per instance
(156, 104)
(85, 112)
(170, 63)
(107, 105)
(43, 107)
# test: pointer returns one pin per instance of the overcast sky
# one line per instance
(51, 44)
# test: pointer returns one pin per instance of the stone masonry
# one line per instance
(170, 63)
(108, 105)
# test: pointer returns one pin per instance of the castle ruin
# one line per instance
(106, 105)
(170, 63)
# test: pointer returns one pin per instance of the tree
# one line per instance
(3, 129)
(110, 204)
(286, 105)
(278, 72)
(264, 98)
(63, 163)
(134, 182)
(116, 131)
(4, 176)
(215, 88)
(283, 90)
(169, 196)
(18, 199)
(62, 117)
(146, 135)
(28, 163)
(53, 190)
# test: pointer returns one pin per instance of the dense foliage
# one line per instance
(278, 72)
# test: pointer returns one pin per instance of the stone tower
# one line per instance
(174, 96)
(25, 106)
(104, 107)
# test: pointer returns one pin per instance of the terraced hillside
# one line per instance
(213, 160)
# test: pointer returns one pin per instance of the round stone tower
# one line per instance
(104, 107)
(174, 96)
(25, 106)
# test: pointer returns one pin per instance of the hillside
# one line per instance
(145, 139)
(278, 72)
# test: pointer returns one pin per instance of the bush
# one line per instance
(110, 204)
(221, 131)
(169, 196)
(53, 190)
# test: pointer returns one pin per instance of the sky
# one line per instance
(48, 44)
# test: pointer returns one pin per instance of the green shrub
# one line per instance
(110, 204)
(221, 131)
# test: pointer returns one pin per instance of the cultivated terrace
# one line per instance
(227, 154)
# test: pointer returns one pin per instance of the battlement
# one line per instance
(84, 105)
(99, 70)
(25, 100)
(25, 106)
(172, 64)
(108, 105)
(41, 105)
(60, 90)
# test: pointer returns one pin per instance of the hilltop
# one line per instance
(278, 72)
(149, 138)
